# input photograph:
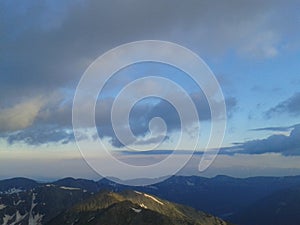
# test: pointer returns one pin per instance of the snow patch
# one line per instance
(18, 202)
(69, 188)
(112, 184)
(138, 192)
(153, 187)
(19, 217)
(34, 219)
(136, 210)
(2, 206)
(154, 199)
(12, 191)
(13, 219)
(189, 183)
(6, 219)
(90, 219)
(143, 206)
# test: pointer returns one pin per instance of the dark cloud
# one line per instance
(57, 113)
(285, 145)
(290, 106)
(47, 45)
(142, 113)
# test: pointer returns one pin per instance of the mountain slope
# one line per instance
(222, 196)
(280, 208)
(38, 205)
(88, 185)
(19, 183)
(132, 208)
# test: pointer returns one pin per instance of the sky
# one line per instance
(252, 48)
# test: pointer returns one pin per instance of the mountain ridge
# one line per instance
(222, 196)
(132, 207)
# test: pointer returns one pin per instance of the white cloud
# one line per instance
(262, 45)
(21, 115)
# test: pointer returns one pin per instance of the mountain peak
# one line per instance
(132, 207)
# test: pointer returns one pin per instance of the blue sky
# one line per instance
(252, 47)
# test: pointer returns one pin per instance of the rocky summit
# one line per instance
(132, 208)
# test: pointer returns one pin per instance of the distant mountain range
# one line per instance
(281, 207)
(249, 201)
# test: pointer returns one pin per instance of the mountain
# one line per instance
(281, 207)
(132, 208)
(18, 183)
(221, 195)
(231, 199)
(38, 205)
(88, 185)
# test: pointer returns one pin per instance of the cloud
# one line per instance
(290, 106)
(38, 120)
(285, 145)
(263, 45)
(55, 110)
(50, 117)
(283, 129)
(40, 135)
(20, 115)
(52, 109)
(63, 38)
(142, 113)
(46, 46)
